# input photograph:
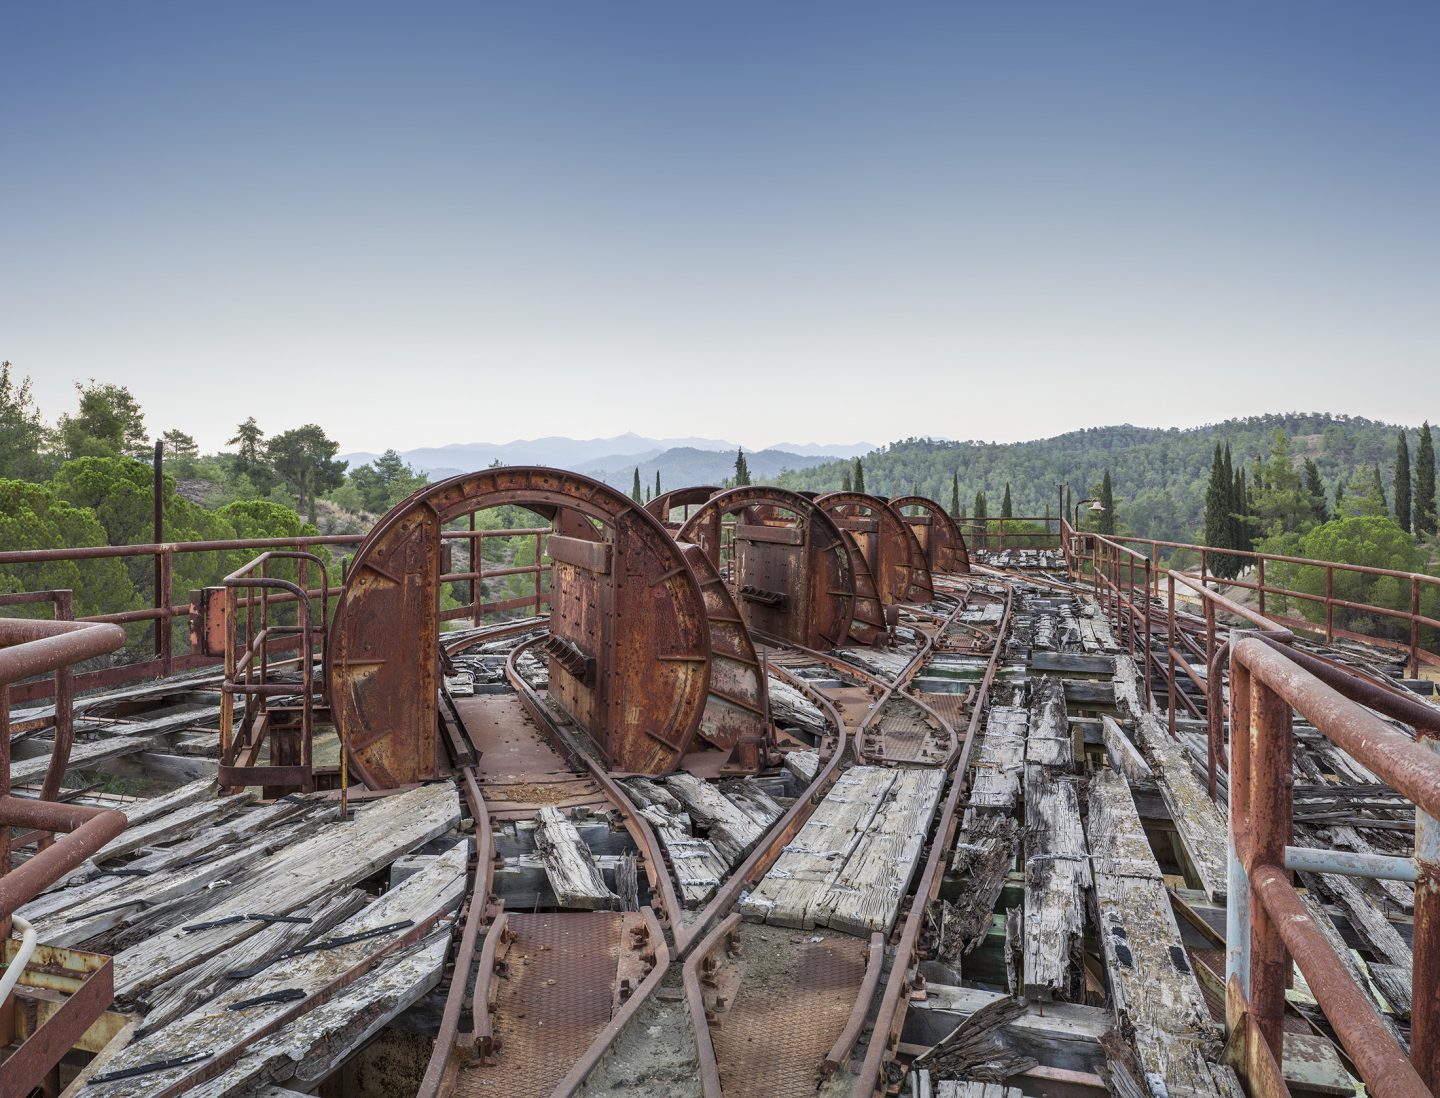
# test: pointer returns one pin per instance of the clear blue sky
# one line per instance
(809, 222)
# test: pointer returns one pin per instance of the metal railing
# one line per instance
(31, 646)
(1001, 533)
(249, 647)
(170, 657)
(1268, 925)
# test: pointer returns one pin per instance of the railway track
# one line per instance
(537, 999)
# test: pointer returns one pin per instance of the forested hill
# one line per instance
(1159, 474)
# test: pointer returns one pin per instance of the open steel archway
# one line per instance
(885, 538)
(629, 646)
(689, 498)
(939, 535)
(795, 574)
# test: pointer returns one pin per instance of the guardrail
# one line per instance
(1000, 533)
(169, 658)
(247, 674)
(31, 646)
(1268, 925)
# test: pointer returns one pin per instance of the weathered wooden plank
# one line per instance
(172, 825)
(730, 830)
(804, 765)
(1057, 875)
(224, 1022)
(788, 892)
(1124, 756)
(1152, 985)
(1198, 821)
(332, 857)
(574, 876)
(1000, 761)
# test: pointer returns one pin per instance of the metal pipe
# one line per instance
(1347, 863)
(1380, 1061)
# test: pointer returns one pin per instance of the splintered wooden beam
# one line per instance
(984, 854)
(1153, 987)
(570, 866)
(1001, 759)
(1198, 821)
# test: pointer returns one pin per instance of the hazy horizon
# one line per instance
(808, 223)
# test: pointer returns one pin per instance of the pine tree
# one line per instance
(742, 469)
(1106, 525)
(1006, 508)
(859, 476)
(1316, 491)
(955, 494)
(1402, 482)
(635, 488)
(1424, 499)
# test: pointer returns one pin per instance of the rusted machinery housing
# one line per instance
(941, 541)
(887, 543)
(795, 574)
(643, 651)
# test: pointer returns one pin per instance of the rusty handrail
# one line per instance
(1268, 925)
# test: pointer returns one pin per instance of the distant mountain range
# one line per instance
(679, 460)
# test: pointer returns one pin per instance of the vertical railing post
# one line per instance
(1425, 960)
(1271, 822)
(473, 556)
(157, 504)
(1260, 580)
(1414, 627)
(1237, 845)
(1213, 697)
(164, 633)
(1149, 687)
(1204, 566)
(1170, 650)
(537, 574)
(1329, 604)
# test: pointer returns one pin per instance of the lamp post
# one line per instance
(1096, 507)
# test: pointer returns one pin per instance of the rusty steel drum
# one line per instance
(940, 538)
(629, 643)
(887, 542)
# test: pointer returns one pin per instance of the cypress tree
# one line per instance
(657, 482)
(1402, 482)
(1424, 500)
(1006, 509)
(1217, 503)
(845, 482)
(1316, 491)
(981, 517)
(1106, 524)
(955, 494)
(1340, 498)
(859, 476)
(635, 488)
(1244, 533)
(1380, 489)
(742, 469)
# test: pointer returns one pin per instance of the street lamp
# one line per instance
(1096, 508)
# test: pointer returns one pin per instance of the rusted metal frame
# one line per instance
(874, 963)
(635, 823)
(1271, 827)
(1278, 682)
(891, 1014)
(1382, 1063)
(1247, 1052)
(27, 1066)
(587, 1063)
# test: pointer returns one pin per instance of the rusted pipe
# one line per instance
(31, 646)
(1381, 1062)
(88, 829)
